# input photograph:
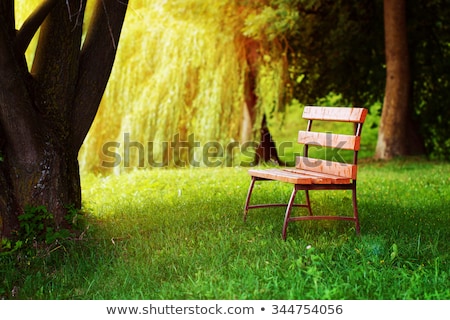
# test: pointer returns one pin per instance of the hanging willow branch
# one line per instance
(180, 72)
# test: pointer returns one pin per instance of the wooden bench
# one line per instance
(317, 174)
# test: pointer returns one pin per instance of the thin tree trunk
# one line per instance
(392, 133)
(249, 111)
(398, 135)
(267, 151)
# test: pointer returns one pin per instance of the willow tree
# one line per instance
(193, 77)
(46, 112)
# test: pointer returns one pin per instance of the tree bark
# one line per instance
(397, 133)
(266, 150)
(96, 62)
(249, 110)
(41, 112)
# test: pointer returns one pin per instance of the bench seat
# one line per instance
(297, 176)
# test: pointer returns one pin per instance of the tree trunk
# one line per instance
(45, 114)
(249, 110)
(52, 181)
(267, 151)
(398, 135)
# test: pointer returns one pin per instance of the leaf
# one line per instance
(394, 253)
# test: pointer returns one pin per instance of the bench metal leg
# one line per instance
(355, 212)
(249, 194)
(308, 203)
(288, 212)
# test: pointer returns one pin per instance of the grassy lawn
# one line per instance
(179, 234)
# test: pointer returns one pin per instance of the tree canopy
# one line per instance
(182, 67)
(341, 49)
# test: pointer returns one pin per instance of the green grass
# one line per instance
(179, 234)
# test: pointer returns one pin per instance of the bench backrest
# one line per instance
(352, 142)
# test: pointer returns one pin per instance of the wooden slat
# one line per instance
(329, 167)
(335, 114)
(298, 176)
(329, 140)
(326, 177)
(280, 175)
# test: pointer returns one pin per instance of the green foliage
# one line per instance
(33, 224)
(35, 227)
(271, 22)
(337, 46)
(8, 246)
(35, 245)
(186, 72)
(36, 231)
(429, 38)
(180, 69)
(75, 218)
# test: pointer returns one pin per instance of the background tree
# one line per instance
(192, 74)
(46, 113)
(331, 47)
(194, 71)
(397, 136)
(339, 47)
(429, 50)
